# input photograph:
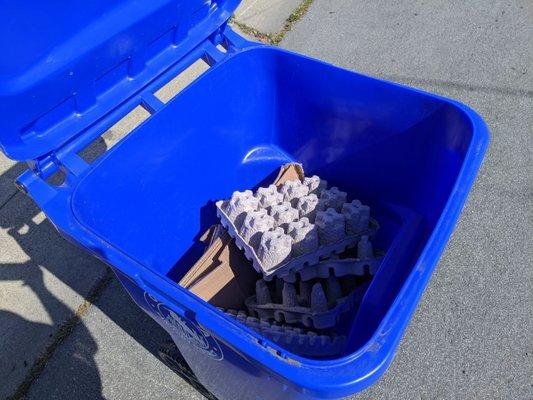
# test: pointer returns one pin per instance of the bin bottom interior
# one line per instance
(153, 195)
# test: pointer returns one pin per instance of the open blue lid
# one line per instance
(66, 64)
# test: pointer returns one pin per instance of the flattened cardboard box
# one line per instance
(223, 276)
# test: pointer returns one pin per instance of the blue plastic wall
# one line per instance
(412, 156)
(232, 129)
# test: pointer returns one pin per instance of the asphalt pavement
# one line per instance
(472, 335)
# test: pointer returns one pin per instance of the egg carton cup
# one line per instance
(313, 307)
(366, 262)
(339, 268)
(299, 341)
(277, 238)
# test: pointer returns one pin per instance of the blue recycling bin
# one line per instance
(70, 70)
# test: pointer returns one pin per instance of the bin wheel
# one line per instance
(171, 356)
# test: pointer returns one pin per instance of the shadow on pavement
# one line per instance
(29, 330)
(50, 254)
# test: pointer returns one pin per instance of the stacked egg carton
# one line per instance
(293, 234)
(366, 261)
(317, 305)
(283, 229)
(297, 340)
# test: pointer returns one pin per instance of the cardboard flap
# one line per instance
(222, 276)
(289, 172)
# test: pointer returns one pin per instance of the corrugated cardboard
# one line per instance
(223, 276)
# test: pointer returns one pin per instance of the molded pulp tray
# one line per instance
(295, 264)
(299, 340)
(409, 155)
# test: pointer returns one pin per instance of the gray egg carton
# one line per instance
(283, 229)
(312, 306)
(365, 262)
(299, 341)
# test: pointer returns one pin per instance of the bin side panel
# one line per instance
(223, 371)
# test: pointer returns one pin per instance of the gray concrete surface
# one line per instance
(9, 170)
(266, 16)
(470, 337)
(43, 280)
(112, 355)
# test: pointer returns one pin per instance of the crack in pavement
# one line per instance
(8, 199)
(61, 334)
(275, 38)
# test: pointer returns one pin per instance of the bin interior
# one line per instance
(153, 194)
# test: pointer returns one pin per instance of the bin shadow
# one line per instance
(48, 253)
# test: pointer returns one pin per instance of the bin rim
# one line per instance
(352, 372)
(378, 352)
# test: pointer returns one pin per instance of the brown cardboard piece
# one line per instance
(223, 276)
(289, 172)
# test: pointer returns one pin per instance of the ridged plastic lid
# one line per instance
(66, 64)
